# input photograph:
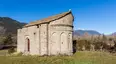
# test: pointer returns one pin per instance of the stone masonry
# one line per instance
(49, 36)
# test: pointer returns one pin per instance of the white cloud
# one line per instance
(80, 29)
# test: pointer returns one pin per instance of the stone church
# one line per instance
(49, 36)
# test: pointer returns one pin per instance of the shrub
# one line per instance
(2, 42)
(8, 40)
(11, 50)
(83, 44)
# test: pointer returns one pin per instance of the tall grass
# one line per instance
(78, 58)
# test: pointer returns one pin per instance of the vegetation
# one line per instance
(8, 31)
(3, 52)
(11, 50)
(84, 57)
(91, 49)
(2, 42)
(95, 43)
(7, 41)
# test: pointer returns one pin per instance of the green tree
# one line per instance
(8, 40)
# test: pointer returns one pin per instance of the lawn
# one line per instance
(78, 58)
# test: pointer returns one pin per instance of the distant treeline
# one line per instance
(94, 43)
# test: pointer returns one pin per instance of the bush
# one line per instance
(8, 40)
(2, 42)
(11, 50)
(98, 45)
(83, 44)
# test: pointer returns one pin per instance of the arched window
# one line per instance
(54, 47)
(63, 41)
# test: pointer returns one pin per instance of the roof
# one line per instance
(49, 19)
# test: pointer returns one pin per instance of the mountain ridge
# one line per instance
(9, 25)
(81, 32)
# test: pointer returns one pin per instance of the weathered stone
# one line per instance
(51, 37)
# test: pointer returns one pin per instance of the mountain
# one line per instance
(113, 34)
(9, 25)
(82, 32)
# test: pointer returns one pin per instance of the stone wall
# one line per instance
(32, 34)
(43, 39)
(60, 39)
(52, 38)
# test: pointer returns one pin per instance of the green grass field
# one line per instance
(78, 58)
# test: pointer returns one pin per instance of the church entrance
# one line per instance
(28, 45)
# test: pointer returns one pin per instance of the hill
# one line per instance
(9, 25)
(81, 32)
(113, 34)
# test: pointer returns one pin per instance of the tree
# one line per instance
(104, 38)
(8, 40)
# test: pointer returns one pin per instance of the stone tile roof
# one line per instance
(49, 19)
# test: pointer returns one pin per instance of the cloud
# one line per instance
(80, 29)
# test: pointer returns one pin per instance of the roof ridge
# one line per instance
(48, 19)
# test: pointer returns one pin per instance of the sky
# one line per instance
(99, 15)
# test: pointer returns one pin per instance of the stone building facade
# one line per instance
(49, 36)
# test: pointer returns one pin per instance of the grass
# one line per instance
(3, 52)
(78, 58)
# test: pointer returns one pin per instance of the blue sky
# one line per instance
(99, 15)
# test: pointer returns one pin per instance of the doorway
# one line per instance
(28, 45)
